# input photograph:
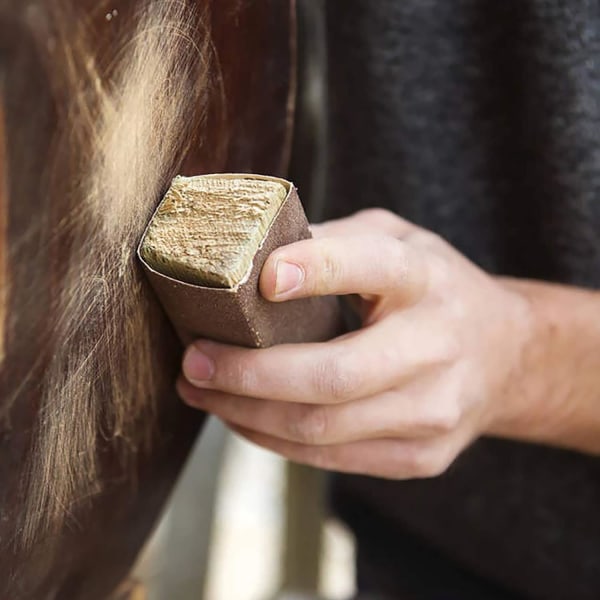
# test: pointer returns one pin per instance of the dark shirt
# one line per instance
(479, 120)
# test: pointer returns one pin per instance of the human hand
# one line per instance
(433, 367)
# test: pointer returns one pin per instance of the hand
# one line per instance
(435, 365)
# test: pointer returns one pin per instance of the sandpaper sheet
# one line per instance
(240, 315)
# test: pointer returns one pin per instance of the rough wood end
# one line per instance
(207, 229)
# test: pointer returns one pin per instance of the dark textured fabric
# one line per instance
(397, 566)
(481, 120)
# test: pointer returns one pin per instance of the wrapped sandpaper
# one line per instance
(203, 252)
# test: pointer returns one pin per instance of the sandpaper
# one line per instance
(239, 314)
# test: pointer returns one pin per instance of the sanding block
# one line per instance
(203, 251)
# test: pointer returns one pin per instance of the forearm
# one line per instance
(554, 398)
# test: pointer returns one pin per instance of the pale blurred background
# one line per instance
(243, 524)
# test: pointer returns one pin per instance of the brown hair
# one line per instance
(99, 109)
(121, 111)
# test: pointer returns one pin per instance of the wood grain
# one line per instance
(207, 229)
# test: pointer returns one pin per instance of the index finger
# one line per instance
(341, 370)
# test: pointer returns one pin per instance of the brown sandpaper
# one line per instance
(237, 314)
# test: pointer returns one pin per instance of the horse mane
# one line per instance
(79, 329)
(102, 103)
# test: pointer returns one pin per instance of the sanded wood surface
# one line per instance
(207, 229)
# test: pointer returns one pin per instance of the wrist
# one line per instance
(513, 412)
(552, 394)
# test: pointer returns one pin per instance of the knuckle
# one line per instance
(334, 379)
(442, 413)
(316, 456)
(426, 463)
(324, 270)
(435, 465)
(445, 418)
(310, 425)
(449, 349)
(321, 457)
(394, 259)
(377, 216)
(331, 270)
(425, 238)
(242, 376)
(401, 267)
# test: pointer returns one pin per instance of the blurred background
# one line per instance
(238, 528)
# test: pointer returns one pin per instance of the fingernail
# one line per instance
(197, 367)
(288, 277)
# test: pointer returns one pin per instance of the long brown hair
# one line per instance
(101, 104)
(119, 121)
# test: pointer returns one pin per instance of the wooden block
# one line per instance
(203, 252)
(207, 230)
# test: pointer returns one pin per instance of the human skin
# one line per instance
(446, 353)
